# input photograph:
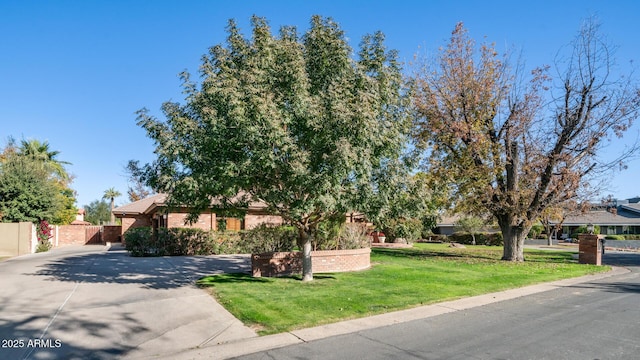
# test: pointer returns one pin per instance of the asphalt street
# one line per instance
(592, 320)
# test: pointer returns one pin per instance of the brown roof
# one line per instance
(80, 222)
(603, 217)
(147, 205)
(141, 206)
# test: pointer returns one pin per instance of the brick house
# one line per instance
(154, 212)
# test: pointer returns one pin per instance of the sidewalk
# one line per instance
(257, 344)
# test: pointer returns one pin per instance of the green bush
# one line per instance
(433, 238)
(228, 242)
(44, 246)
(353, 236)
(583, 230)
(263, 238)
(185, 241)
(328, 233)
(171, 242)
(615, 237)
(535, 231)
(139, 242)
(489, 239)
(409, 229)
(268, 238)
(631, 236)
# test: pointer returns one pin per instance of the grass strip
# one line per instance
(398, 279)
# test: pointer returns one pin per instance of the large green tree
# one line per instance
(515, 148)
(42, 153)
(98, 212)
(23, 193)
(293, 121)
(26, 192)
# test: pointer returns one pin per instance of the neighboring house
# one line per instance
(80, 218)
(154, 212)
(446, 225)
(618, 218)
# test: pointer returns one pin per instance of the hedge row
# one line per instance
(191, 241)
(489, 239)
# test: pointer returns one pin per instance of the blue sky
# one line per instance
(74, 72)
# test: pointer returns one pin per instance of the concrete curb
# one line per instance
(252, 345)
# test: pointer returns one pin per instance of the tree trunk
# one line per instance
(113, 217)
(513, 236)
(304, 242)
(550, 238)
(307, 270)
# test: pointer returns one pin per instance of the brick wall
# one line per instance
(69, 235)
(251, 220)
(140, 221)
(340, 260)
(287, 263)
(111, 233)
(205, 221)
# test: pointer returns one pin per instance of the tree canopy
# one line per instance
(98, 212)
(292, 121)
(514, 148)
(34, 185)
(111, 194)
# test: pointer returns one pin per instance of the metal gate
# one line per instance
(92, 235)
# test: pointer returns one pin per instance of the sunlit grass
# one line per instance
(398, 279)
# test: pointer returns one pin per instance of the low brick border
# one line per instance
(325, 261)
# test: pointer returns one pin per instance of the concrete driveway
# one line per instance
(94, 303)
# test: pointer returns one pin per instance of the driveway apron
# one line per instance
(91, 303)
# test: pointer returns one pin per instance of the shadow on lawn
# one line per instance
(453, 254)
(246, 278)
(472, 253)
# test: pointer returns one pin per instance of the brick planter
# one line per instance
(326, 261)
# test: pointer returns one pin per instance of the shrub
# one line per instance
(185, 241)
(615, 237)
(535, 231)
(328, 233)
(228, 242)
(353, 236)
(172, 242)
(433, 238)
(409, 229)
(44, 246)
(631, 237)
(43, 233)
(139, 242)
(583, 230)
(489, 239)
(268, 238)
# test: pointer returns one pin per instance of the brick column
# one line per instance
(590, 249)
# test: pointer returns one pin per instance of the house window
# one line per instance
(234, 224)
(611, 230)
(230, 224)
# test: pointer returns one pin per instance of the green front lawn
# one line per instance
(398, 279)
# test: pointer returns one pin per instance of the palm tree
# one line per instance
(111, 194)
(40, 151)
